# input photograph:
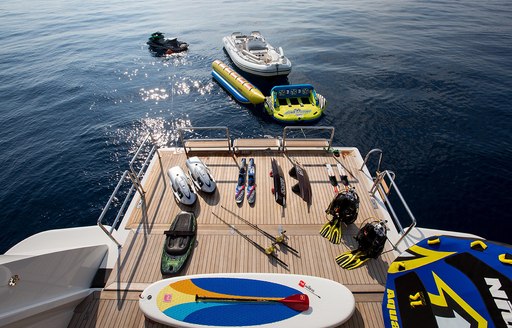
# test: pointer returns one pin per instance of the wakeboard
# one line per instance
(303, 187)
(179, 242)
(279, 189)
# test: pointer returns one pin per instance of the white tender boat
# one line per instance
(253, 54)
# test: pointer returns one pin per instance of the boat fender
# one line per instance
(281, 52)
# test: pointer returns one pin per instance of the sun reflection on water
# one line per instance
(163, 132)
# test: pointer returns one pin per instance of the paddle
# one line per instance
(297, 302)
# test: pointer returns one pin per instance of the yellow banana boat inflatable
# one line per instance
(239, 87)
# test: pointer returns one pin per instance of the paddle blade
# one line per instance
(297, 302)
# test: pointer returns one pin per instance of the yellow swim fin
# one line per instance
(327, 228)
(352, 259)
(336, 233)
(357, 262)
(346, 258)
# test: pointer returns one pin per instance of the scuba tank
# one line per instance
(344, 206)
(372, 237)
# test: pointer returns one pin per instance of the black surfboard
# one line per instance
(279, 183)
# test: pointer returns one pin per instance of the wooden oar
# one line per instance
(297, 302)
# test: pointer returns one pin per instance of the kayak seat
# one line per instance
(178, 240)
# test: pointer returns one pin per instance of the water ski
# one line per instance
(179, 242)
(332, 178)
(279, 189)
(343, 175)
(240, 185)
(251, 181)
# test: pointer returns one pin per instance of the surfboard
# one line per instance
(279, 183)
(216, 300)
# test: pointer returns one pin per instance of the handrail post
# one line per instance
(180, 135)
(377, 184)
(375, 150)
(109, 235)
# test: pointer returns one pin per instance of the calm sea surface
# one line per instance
(428, 82)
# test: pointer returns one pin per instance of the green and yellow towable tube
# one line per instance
(295, 103)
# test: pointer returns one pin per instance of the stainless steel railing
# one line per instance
(135, 179)
(227, 139)
(373, 151)
(384, 183)
(305, 129)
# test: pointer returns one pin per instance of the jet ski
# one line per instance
(180, 183)
(200, 174)
(158, 43)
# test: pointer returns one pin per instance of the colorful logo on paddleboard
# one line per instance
(217, 301)
(303, 284)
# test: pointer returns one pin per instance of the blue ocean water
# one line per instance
(429, 82)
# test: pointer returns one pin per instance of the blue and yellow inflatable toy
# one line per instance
(447, 281)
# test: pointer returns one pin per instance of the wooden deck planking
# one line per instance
(265, 210)
(227, 252)
(104, 309)
(219, 249)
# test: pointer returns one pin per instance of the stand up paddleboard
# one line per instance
(247, 300)
(279, 189)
